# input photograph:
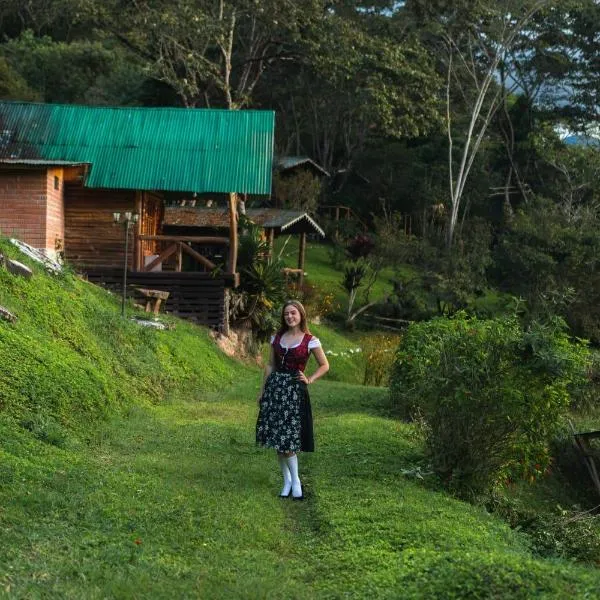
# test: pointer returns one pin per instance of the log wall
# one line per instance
(92, 239)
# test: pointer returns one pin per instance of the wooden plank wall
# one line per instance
(92, 239)
(151, 215)
(199, 297)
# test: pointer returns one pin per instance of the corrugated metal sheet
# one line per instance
(171, 149)
(275, 218)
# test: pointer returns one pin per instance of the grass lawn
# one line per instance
(320, 271)
(175, 501)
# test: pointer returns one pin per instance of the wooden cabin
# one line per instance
(69, 174)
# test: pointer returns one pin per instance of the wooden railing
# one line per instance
(338, 212)
(176, 246)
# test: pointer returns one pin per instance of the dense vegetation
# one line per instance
(442, 125)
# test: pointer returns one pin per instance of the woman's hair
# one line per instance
(301, 310)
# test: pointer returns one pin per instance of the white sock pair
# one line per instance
(291, 481)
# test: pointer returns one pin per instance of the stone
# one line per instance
(17, 268)
(49, 264)
(7, 315)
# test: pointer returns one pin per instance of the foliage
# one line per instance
(560, 533)
(317, 302)
(256, 301)
(448, 280)
(359, 246)
(300, 191)
(490, 393)
(12, 85)
(360, 273)
(378, 350)
(67, 72)
(549, 257)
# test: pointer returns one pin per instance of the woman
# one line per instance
(285, 418)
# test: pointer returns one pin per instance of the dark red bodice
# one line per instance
(291, 359)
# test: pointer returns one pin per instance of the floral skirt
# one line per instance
(285, 417)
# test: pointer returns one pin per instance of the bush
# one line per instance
(490, 394)
(378, 351)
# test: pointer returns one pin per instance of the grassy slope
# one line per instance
(175, 501)
(321, 273)
(70, 356)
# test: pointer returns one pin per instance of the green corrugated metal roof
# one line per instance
(175, 149)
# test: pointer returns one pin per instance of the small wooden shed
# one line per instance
(274, 221)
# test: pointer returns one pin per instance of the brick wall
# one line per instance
(23, 206)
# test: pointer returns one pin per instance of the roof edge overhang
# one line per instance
(41, 162)
(299, 218)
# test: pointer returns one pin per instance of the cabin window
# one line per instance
(56, 183)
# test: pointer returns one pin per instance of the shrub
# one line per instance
(490, 394)
(318, 303)
(378, 352)
(255, 303)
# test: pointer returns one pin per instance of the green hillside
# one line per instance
(128, 470)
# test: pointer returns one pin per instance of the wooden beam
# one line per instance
(182, 238)
(201, 259)
(161, 257)
(301, 256)
(233, 237)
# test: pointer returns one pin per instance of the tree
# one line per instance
(81, 71)
(358, 77)
(475, 39)
(211, 52)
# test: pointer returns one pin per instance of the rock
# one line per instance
(17, 268)
(152, 324)
(50, 265)
(7, 315)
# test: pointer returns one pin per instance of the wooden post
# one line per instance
(301, 254)
(179, 257)
(271, 237)
(137, 244)
(233, 238)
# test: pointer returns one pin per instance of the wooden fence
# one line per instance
(199, 297)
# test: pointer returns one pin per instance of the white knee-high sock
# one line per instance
(292, 462)
(287, 477)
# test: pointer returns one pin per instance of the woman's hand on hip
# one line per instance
(302, 378)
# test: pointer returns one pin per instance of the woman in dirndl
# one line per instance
(285, 418)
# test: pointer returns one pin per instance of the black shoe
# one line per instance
(298, 497)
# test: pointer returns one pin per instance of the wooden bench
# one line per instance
(154, 298)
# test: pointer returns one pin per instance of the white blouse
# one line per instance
(312, 343)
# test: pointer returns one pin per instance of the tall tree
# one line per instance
(474, 40)
(358, 76)
(211, 52)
